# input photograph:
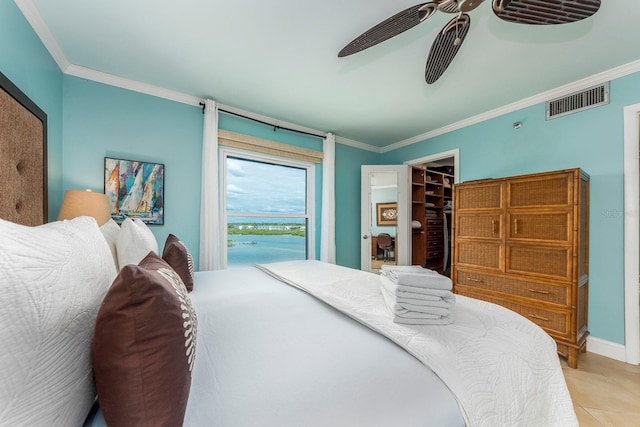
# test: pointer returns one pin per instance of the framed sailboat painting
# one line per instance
(135, 190)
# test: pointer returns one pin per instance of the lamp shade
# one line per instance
(85, 203)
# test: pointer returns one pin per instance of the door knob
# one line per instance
(365, 237)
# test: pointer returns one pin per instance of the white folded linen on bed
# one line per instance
(412, 310)
(416, 276)
(502, 368)
(428, 297)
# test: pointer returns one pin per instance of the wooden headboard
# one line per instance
(23, 157)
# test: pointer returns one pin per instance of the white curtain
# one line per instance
(210, 249)
(328, 225)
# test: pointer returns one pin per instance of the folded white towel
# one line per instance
(407, 317)
(406, 268)
(412, 310)
(445, 320)
(427, 297)
(417, 276)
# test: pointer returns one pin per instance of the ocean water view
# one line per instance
(250, 249)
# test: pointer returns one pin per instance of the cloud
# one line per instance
(265, 188)
(234, 167)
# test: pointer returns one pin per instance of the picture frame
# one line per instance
(135, 189)
(387, 213)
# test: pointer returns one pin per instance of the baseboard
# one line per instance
(605, 348)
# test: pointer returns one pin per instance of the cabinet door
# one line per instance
(548, 190)
(480, 196)
(540, 260)
(479, 225)
(553, 227)
(482, 254)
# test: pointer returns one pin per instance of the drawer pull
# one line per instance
(515, 226)
(494, 226)
(537, 291)
(535, 316)
(471, 279)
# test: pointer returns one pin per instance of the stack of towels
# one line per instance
(416, 295)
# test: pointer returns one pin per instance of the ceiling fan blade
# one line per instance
(445, 47)
(397, 24)
(547, 12)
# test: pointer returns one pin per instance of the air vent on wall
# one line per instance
(579, 101)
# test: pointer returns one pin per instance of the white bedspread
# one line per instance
(502, 368)
(271, 355)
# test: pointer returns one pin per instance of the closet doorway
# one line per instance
(431, 205)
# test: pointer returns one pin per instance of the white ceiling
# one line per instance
(278, 58)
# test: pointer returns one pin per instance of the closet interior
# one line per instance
(431, 205)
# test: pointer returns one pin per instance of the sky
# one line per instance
(264, 188)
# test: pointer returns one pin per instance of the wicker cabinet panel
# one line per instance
(522, 242)
(480, 197)
(553, 227)
(478, 225)
(554, 293)
(540, 191)
(479, 254)
(553, 262)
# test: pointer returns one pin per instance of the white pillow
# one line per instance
(52, 281)
(135, 240)
(110, 231)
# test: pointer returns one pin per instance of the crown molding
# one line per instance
(32, 14)
(560, 91)
(133, 85)
(358, 144)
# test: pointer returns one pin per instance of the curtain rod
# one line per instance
(275, 127)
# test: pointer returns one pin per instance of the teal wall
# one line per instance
(104, 121)
(26, 62)
(348, 163)
(591, 140)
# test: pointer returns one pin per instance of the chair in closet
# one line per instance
(385, 243)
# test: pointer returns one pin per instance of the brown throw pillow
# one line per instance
(177, 255)
(144, 346)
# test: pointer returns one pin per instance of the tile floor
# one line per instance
(605, 392)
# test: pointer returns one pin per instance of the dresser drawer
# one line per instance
(435, 232)
(435, 253)
(556, 323)
(435, 223)
(435, 243)
(547, 292)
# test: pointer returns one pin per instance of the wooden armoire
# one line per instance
(522, 242)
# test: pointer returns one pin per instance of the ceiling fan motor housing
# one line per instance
(457, 6)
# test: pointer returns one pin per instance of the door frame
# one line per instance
(455, 153)
(632, 233)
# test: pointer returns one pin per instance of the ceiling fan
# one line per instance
(449, 40)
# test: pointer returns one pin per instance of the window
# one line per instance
(268, 205)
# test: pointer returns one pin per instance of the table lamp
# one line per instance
(85, 203)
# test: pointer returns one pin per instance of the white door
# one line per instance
(384, 210)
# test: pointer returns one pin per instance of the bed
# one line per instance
(103, 323)
(295, 343)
